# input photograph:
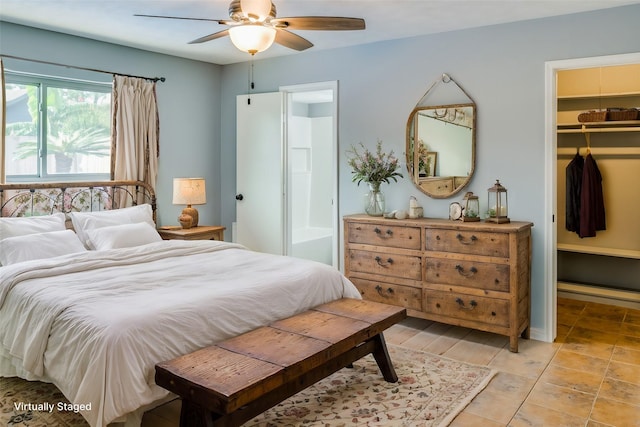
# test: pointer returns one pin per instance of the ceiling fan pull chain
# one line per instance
(253, 86)
(250, 82)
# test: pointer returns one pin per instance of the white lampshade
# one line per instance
(189, 191)
(252, 38)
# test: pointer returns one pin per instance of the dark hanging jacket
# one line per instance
(591, 200)
(572, 200)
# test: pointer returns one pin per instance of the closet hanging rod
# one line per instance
(155, 79)
(600, 151)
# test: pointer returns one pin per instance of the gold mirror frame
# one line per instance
(457, 123)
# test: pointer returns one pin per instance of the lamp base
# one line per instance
(193, 213)
(185, 221)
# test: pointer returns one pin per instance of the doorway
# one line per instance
(287, 172)
(311, 174)
(551, 175)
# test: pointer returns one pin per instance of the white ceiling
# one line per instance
(113, 20)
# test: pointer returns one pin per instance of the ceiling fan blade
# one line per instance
(292, 41)
(330, 23)
(219, 21)
(210, 37)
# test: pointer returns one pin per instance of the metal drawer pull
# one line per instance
(379, 261)
(461, 271)
(471, 241)
(380, 291)
(389, 233)
(472, 304)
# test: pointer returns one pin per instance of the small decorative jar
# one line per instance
(497, 203)
(470, 208)
(415, 210)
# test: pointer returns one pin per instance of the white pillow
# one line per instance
(85, 221)
(122, 236)
(39, 246)
(11, 227)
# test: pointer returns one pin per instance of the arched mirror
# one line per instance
(441, 140)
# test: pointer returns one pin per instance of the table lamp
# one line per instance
(189, 191)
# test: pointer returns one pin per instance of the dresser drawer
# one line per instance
(468, 242)
(385, 264)
(472, 274)
(467, 307)
(404, 296)
(385, 235)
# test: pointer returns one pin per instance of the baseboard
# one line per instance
(538, 334)
(579, 291)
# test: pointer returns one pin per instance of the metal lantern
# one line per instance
(497, 205)
(470, 207)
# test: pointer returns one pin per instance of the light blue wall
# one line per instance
(502, 69)
(188, 103)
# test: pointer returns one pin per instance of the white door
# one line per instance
(259, 172)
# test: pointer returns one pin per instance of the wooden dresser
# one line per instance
(472, 274)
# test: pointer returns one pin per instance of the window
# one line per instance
(57, 129)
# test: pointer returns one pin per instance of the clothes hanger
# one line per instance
(587, 137)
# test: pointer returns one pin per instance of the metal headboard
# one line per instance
(46, 198)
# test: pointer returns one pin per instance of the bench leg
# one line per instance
(193, 415)
(381, 354)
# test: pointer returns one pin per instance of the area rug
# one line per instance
(431, 390)
(35, 404)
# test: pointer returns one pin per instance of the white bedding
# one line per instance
(96, 323)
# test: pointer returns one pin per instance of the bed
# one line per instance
(115, 299)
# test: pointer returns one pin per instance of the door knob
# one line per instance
(239, 197)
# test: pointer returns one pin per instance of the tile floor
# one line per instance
(589, 377)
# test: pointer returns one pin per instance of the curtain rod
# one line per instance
(155, 79)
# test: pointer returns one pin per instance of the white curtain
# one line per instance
(3, 122)
(135, 130)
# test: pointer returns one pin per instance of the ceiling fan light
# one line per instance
(252, 38)
(256, 10)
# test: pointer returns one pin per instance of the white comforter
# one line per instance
(96, 323)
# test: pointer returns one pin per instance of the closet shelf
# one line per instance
(600, 151)
(595, 127)
(592, 250)
(600, 95)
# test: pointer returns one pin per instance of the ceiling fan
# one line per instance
(254, 26)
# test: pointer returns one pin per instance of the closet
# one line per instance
(607, 265)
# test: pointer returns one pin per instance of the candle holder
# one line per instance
(497, 203)
(470, 208)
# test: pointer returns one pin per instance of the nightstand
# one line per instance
(204, 232)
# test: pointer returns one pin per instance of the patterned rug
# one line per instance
(431, 391)
(35, 404)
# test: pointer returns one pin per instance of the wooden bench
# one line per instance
(231, 382)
